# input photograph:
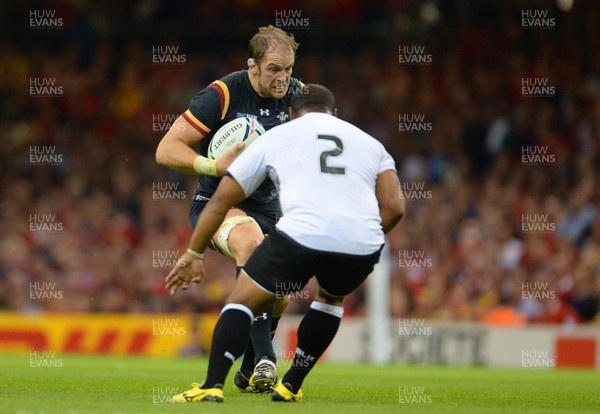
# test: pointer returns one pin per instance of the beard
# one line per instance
(274, 89)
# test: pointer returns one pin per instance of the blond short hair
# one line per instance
(266, 39)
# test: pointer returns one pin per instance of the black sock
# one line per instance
(315, 333)
(261, 336)
(247, 366)
(274, 323)
(229, 337)
(248, 361)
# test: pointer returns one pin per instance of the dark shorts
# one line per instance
(282, 266)
(265, 215)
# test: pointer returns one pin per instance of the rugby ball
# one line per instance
(244, 129)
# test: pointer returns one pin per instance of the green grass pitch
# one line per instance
(123, 385)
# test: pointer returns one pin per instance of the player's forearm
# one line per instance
(176, 156)
(176, 150)
(392, 204)
(393, 213)
(389, 218)
(208, 223)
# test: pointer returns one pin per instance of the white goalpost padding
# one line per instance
(378, 305)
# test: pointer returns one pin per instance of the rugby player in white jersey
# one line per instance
(339, 193)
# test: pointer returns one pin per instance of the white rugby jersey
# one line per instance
(325, 170)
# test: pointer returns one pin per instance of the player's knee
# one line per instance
(324, 297)
(238, 236)
(242, 247)
(247, 293)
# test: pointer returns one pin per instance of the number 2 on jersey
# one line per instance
(339, 148)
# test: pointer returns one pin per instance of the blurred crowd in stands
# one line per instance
(491, 233)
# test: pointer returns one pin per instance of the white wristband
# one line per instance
(195, 254)
(205, 166)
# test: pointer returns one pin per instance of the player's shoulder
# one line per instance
(232, 89)
(235, 78)
(317, 118)
(221, 88)
(234, 81)
(352, 132)
(357, 130)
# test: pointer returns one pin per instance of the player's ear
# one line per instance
(292, 113)
(335, 112)
(252, 65)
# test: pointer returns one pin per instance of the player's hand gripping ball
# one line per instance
(244, 129)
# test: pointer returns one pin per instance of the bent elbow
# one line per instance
(160, 156)
(400, 212)
(400, 208)
(397, 216)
